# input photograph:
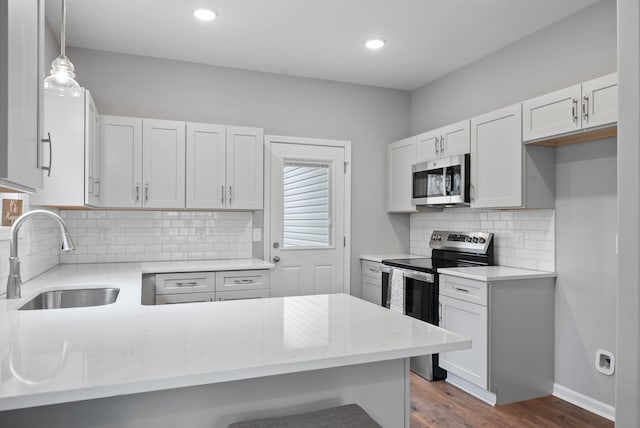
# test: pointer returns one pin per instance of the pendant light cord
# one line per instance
(64, 29)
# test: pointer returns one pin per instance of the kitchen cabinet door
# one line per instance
(163, 168)
(21, 102)
(400, 156)
(244, 176)
(600, 101)
(428, 146)
(469, 320)
(455, 139)
(92, 151)
(552, 114)
(206, 165)
(74, 180)
(496, 159)
(372, 290)
(121, 162)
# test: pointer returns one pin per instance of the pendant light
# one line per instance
(61, 81)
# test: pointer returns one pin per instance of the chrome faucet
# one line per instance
(14, 282)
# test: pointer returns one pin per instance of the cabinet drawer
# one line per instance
(242, 280)
(242, 294)
(371, 269)
(464, 289)
(170, 299)
(196, 282)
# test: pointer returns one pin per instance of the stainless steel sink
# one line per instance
(72, 298)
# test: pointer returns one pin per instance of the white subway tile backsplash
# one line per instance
(522, 238)
(135, 236)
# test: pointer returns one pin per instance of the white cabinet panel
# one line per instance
(121, 161)
(400, 156)
(552, 114)
(163, 168)
(496, 159)
(469, 320)
(21, 76)
(242, 280)
(600, 101)
(455, 139)
(72, 123)
(372, 290)
(242, 295)
(206, 165)
(245, 154)
(428, 146)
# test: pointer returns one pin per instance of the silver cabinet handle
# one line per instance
(472, 189)
(435, 143)
(137, 192)
(462, 290)
(574, 109)
(229, 194)
(92, 183)
(187, 284)
(222, 195)
(374, 270)
(440, 311)
(146, 192)
(585, 106)
(441, 145)
(243, 281)
(48, 140)
(97, 184)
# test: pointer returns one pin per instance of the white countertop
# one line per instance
(62, 355)
(496, 273)
(380, 257)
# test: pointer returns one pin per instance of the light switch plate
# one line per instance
(257, 235)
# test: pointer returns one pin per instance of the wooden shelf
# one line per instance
(580, 137)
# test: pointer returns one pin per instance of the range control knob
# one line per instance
(475, 240)
(468, 239)
(482, 240)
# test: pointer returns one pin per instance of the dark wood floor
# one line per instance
(439, 404)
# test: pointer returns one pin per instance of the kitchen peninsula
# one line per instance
(202, 364)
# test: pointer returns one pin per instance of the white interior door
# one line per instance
(308, 211)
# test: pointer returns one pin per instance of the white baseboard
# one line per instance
(472, 389)
(587, 403)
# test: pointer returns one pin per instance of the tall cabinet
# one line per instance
(400, 156)
(21, 77)
(73, 177)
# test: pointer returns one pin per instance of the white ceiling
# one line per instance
(314, 38)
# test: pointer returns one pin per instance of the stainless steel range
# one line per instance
(420, 281)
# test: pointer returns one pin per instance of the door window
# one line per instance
(306, 205)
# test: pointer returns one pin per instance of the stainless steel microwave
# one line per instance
(441, 182)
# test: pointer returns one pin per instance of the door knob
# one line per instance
(275, 259)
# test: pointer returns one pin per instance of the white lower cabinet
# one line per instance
(189, 287)
(372, 281)
(469, 320)
(510, 324)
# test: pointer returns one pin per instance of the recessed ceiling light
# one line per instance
(374, 44)
(205, 14)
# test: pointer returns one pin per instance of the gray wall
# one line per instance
(577, 48)
(628, 385)
(368, 117)
(586, 287)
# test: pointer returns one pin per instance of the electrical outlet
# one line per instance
(257, 235)
(605, 362)
(201, 233)
(105, 236)
(518, 239)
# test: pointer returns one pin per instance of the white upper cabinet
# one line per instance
(224, 167)
(21, 77)
(206, 165)
(583, 106)
(600, 101)
(72, 123)
(451, 140)
(504, 172)
(163, 164)
(121, 162)
(400, 156)
(245, 154)
(496, 159)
